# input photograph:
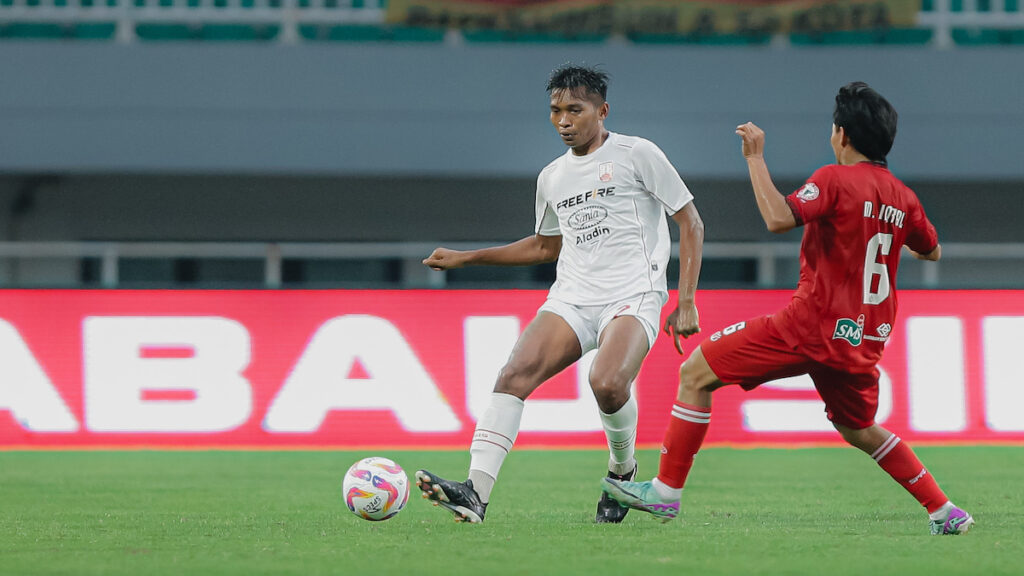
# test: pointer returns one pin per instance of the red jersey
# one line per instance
(856, 220)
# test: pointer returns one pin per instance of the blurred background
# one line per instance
(335, 143)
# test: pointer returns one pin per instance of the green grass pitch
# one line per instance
(758, 511)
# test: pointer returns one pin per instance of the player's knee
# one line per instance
(861, 438)
(689, 379)
(516, 379)
(611, 391)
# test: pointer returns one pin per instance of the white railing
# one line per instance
(290, 14)
(767, 255)
(942, 19)
(126, 14)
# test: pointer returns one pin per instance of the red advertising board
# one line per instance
(359, 369)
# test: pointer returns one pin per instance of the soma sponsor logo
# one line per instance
(587, 218)
(849, 330)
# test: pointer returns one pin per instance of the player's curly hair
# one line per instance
(591, 81)
(868, 119)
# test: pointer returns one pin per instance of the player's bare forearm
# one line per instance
(531, 250)
(777, 216)
(770, 202)
(684, 321)
(691, 251)
(528, 251)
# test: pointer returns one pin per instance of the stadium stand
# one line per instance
(944, 23)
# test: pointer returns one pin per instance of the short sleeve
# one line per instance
(921, 235)
(816, 199)
(547, 220)
(659, 177)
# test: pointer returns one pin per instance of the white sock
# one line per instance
(620, 428)
(495, 434)
(941, 513)
(666, 493)
(483, 483)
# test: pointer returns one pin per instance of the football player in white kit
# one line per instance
(600, 211)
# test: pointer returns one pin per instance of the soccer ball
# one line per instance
(375, 488)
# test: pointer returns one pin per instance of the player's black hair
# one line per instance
(868, 118)
(580, 80)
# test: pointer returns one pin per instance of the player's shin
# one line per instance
(620, 429)
(900, 462)
(686, 431)
(495, 434)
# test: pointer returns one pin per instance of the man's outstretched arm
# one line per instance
(770, 202)
(536, 249)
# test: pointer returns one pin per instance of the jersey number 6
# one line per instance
(879, 243)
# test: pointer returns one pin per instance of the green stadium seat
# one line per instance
(160, 32)
(981, 37)
(238, 32)
(209, 32)
(361, 33)
(95, 30)
(903, 36)
(34, 30)
(702, 39)
(529, 37)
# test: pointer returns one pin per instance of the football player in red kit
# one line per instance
(857, 217)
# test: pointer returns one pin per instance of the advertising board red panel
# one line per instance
(360, 369)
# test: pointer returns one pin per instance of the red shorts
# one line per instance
(751, 353)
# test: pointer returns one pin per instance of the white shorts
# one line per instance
(589, 321)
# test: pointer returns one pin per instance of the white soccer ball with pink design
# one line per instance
(375, 488)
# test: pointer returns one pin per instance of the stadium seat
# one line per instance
(238, 32)
(979, 37)
(159, 32)
(907, 36)
(208, 32)
(529, 37)
(703, 39)
(34, 30)
(360, 33)
(95, 30)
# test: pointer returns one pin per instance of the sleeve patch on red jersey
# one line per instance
(808, 192)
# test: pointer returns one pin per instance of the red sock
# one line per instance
(685, 434)
(899, 461)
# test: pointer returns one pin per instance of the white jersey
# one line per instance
(609, 207)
